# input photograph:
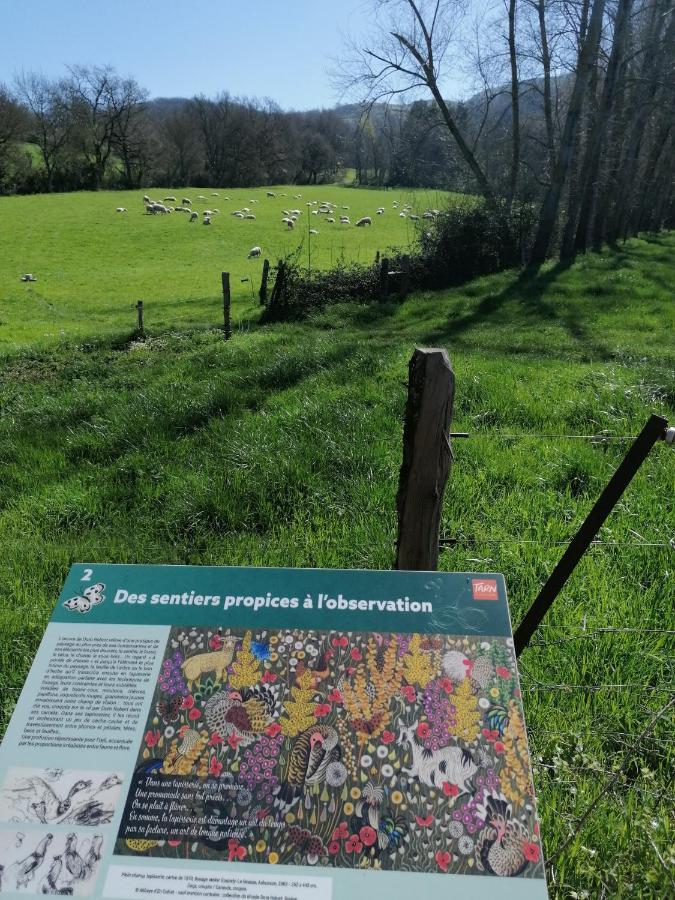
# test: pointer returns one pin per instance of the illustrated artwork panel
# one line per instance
(386, 751)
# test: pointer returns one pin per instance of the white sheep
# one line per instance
(271, 194)
(28, 277)
(207, 220)
(207, 213)
(214, 193)
(186, 201)
(402, 215)
(313, 231)
(239, 215)
(121, 209)
(415, 218)
(249, 216)
(254, 251)
(194, 216)
(169, 199)
(380, 212)
(201, 197)
(315, 212)
(344, 220)
(146, 199)
(366, 220)
(331, 220)
(288, 222)
(246, 208)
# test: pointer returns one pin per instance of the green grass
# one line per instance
(93, 264)
(282, 447)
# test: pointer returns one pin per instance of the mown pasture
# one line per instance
(92, 263)
(282, 447)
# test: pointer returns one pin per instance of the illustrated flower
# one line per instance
(388, 737)
(269, 678)
(409, 692)
(423, 731)
(449, 789)
(503, 672)
(387, 770)
(273, 858)
(366, 760)
(350, 670)
(353, 844)
(336, 774)
(446, 684)
(382, 751)
(233, 741)
(455, 829)
(348, 808)
(484, 703)
(215, 767)
(169, 732)
(340, 642)
(355, 654)
(334, 847)
(397, 797)
(341, 832)
(216, 642)
(368, 835)
(328, 654)
(424, 823)
(151, 738)
(194, 714)
(443, 859)
(321, 709)
(465, 845)
(531, 852)
(215, 739)
(494, 692)
(236, 851)
(187, 702)
(499, 747)
(273, 729)
(174, 843)
(260, 846)
(260, 650)
(335, 696)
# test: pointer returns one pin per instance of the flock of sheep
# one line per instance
(289, 216)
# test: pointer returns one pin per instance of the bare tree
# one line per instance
(408, 56)
(50, 118)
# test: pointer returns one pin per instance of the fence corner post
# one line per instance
(384, 279)
(227, 327)
(427, 457)
(263, 282)
(139, 310)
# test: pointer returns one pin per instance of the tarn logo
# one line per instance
(91, 596)
(484, 589)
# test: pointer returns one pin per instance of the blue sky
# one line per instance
(283, 49)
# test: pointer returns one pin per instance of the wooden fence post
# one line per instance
(263, 282)
(427, 457)
(384, 278)
(404, 284)
(139, 310)
(227, 328)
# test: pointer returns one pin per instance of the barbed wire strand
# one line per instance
(611, 781)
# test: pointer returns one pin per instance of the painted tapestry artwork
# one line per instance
(345, 749)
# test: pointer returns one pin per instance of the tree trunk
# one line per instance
(550, 205)
(515, 105)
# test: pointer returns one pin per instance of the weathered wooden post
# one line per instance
(427, 457)
(384, 278)
(263, 282)
(139, 310)
(377, 257)
(227, 328)
(404, 283)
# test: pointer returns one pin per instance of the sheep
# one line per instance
(254, 251)
(296, 212)
(236, 212)
(315, 212)
(366, 220)
(216, 211)
(207, 212)
(331, 220)
(194, 216)
(169, 199)
(146, 199)
(415, 218)
(249, 216)
(402, 215)
(226, 198)
(344, 220)
(271, 194)
(239, 215)
(201, 197)
(214, 193)
(428, 215)
(288, 222)
(380, 212)
(186, 201)
(245, 208)
(28, 277)
(121, 209)
(345, 207)
(313, 231)
(207, 220)
(297, 196)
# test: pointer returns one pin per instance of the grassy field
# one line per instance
(93, 264)
(282, 447)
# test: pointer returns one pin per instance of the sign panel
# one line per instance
(271, 733)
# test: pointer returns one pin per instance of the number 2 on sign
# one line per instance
(87, 575)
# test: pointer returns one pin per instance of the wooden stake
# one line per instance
(139, 309)
(227, 328)
(263, 283)
(427, 457)
(384, 278)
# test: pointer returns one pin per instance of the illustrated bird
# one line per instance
(50, 884)
(47, 805)
(368, 811)
(25, 869)
(111, 781)
(320, 669)
(245, 713)
(312, 752)
(93, 856)
(74, 862)
(500, 846)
